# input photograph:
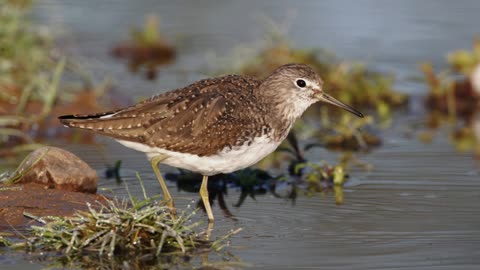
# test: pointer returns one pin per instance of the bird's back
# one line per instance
(199, 119)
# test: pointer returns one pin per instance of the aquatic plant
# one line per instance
(321, 177)
(114, 171)
(251, 181)
(451, 91)
(4, 242)
(452, 100)
(465, 61)
(350, 134)
(147, 49)
(310, 177)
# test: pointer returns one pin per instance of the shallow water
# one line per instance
(418, 207)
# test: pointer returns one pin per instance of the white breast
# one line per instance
(226, 161)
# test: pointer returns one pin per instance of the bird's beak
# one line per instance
(329, 99)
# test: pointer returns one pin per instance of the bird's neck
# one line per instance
(289, 113)
(282, 111)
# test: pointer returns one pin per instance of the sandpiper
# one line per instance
(216, 125)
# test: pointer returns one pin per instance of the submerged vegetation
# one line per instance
(454, 98)
(304, 176)
(453, 92)
(349, 134)
(146, 50)
(251, 182)
(323, 178)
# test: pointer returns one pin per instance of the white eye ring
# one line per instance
(301, 83)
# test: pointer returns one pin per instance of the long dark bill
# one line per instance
(329, 99)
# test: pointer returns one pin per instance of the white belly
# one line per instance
(225, 161)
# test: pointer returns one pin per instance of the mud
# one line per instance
(39, 201)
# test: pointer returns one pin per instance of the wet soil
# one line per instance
(39, 201)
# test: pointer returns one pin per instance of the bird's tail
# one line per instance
(107, 123)
(85, 121)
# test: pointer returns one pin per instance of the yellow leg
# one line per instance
(168, 198)
(204, 195)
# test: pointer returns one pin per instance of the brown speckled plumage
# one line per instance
(200, 119)
(212, 114)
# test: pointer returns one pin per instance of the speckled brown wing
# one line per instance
(201, 119)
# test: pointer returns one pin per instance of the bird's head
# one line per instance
(299, 86)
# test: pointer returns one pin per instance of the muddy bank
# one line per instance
(39, 201)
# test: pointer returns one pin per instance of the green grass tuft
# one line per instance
(119, 228)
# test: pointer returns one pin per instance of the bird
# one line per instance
(214, 125)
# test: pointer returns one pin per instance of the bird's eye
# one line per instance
(301, 83)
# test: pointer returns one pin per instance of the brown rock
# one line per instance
(59, 169)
